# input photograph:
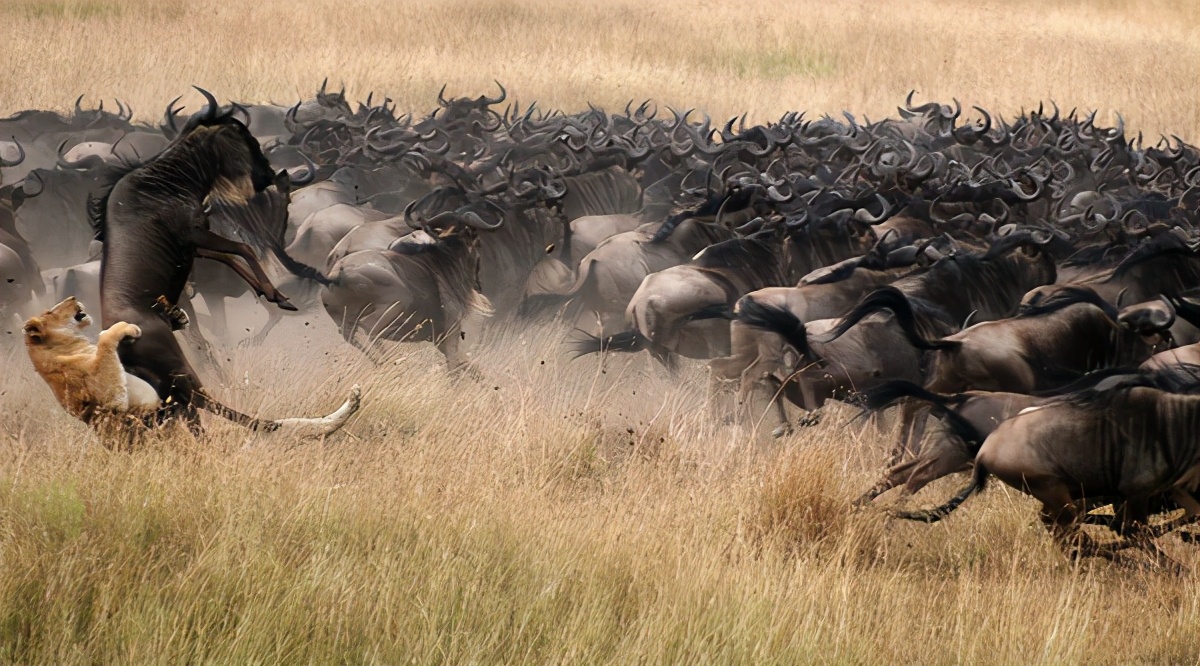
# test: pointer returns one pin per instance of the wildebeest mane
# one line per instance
(261, 223)
(1183, 379)
(741, 254)
(605, 192)
(1066, 297)
(97, 201)
(710, 207)
(1099, 255)
(1164, 245)
(963, 282)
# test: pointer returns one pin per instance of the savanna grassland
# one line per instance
(554, 511)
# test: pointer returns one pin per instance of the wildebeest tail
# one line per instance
(625, 341)
(944, 407)
(978, 482)
(891, 299)
(718, 311)
(777, 320)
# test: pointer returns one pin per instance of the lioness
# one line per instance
(86, 379)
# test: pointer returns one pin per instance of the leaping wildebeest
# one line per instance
(154, 223)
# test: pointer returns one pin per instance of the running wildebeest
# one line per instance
(1133, 443)
(155, 222)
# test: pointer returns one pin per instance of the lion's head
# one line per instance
(63, 321)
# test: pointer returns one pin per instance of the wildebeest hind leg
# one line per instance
(212, 246)
(258, 282)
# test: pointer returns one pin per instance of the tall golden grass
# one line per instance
(553, 511)
(1138, 57)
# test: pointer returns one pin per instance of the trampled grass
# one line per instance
(553, 511)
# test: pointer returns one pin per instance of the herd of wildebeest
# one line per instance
(1021, 291)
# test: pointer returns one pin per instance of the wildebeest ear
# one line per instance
(34, 330)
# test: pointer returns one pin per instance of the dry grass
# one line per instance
(555, 512)
(1136, 56)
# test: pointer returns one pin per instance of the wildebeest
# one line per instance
(663, 311)
(610, 274)
(966, 419)
(824, 363)
(421, 288)
(1135, 446)
(154, 224)
(20, 276)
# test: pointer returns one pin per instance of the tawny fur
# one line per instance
(86, 378)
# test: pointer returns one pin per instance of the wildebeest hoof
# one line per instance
(175, 317)
(782, 431)
(285, 304)
(809, 420)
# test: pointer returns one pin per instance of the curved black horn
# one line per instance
(473, 219)
(210, 113)
(169, 117)
(310, 172)
(488, 101)
(82, 163)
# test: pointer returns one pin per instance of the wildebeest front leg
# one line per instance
(212, 246)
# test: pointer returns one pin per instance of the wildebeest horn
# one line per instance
(78, 108)
(1119, 131)
(63, 163)
(441, 98)
(472, 219)
(779, 197)
(1037, 189)
(210, 113)
(408, 218)
(952, 116)
(918, 110)
(1170, 308)
(324, 82)
(488, 101)
(864, 215)
(20, 155)
(1149, 320)
(310, 172)
(169, 116)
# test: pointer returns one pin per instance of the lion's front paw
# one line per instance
(131, 331)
